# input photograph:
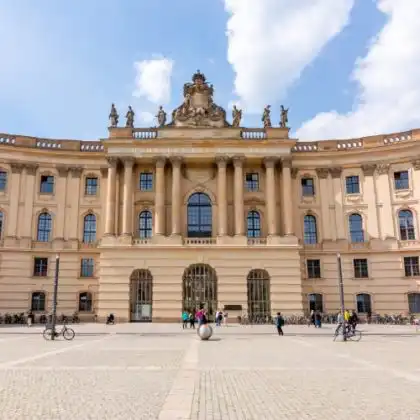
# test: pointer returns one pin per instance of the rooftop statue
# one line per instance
(266, 119)
(113, 116)
(284, 119)
(130, 118)
(198, 108)
(237, 116)
(161, 116)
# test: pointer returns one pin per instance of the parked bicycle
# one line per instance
(65, 331)
(350, 334)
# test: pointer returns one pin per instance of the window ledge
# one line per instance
(362, 278)
(314, 278)
(87, 277)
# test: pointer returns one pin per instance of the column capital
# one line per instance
(416, 164)
(294, 172)
(176, 160)
(112, 161)
(270, 161)
(238, 160)
(222, 160)
(76, 171)
(322, 173)
(16, 167)
(286, 162)
(128, 161)
(62, 170)
(31, 168)
(160, 161)
(336, 172)
(368, 169)
(383, 168)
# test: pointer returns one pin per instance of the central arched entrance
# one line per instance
(199, 288)
(141, 296)
(258, 291)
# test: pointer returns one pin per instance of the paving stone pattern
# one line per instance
(158, 371)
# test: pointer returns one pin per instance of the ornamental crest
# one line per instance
(198, 108)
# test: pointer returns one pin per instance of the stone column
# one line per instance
(239, 195)
(160, 196)
(270, 194)
(14, 193)
(26, 233)
(110, 202)
(369, 194)
(127, 226)
(287, 202)
(176, 194)
(61, 190)
(323, 197)
(73, 202)
(222, 195)
(338, 202)
(384, 201)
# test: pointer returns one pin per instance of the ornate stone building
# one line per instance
(199, 211)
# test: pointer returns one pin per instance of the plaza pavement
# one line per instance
(158, 371)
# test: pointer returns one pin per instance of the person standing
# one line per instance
(192, 319)
(184, 319)
(279, 323)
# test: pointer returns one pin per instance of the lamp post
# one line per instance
(341, 291)
(54, 308)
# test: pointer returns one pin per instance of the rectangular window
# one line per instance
(401, 181)
(411, 266)
(360, 266)
(308, 187)
(352, 184)
(40, 267)
(252, 182)
(91, 186)
(3, 180)
(314, 269)
(87, 267)
(146, 181)
(47, 184)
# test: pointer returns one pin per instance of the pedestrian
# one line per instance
(184, 319)
(279, 323)
(318, 319)
(192, 319)
(225, 318)
(311, 318)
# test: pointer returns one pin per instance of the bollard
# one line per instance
(205, 331)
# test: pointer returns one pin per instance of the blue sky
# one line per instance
(331, 61)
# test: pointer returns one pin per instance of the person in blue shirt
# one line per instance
(279, 321)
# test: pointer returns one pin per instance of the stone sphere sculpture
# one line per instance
(205, 331)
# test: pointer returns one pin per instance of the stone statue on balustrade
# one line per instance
(198, 108)
(130, 118)
(237, 116)
(284, 119)
(266, 118)
(113, 116)
(161, 116)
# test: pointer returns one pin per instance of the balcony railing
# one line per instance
(257, 241)
(142, 241)
(409, 244)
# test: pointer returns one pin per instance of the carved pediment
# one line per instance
(253, 200)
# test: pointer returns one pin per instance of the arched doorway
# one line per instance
(316, 302)
(199, 288)
(258, 286)
(141, 296)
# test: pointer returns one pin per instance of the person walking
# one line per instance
(279, 323)
(184, 319)
(191, 318)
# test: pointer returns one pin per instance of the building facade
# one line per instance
(199, 211)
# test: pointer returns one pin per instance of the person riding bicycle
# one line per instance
(353, 320)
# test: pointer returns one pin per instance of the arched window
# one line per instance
(141, 295)
(310, 235)
(414, 303)
(44, 227)
(145, 224)
(1, 224)
(38, 301)
(406, 222)
(316, 302)
(258, 287)
(356, 228)
(199, 216)
(89, 228)
(253, 224)
(85, 302)
(364, 303)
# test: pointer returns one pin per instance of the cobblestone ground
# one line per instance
(158, 371)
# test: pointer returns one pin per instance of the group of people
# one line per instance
(190, 318)
(349, 319)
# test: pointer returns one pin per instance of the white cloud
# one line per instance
(389, 91)
(272, 41)
(146, 117)
(153, 80)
